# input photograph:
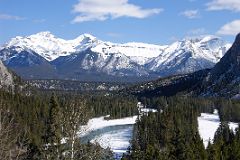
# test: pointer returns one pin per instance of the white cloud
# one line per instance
(10, 17)
(233, 5)
(232, 28)
(100, 10)
(191, 14)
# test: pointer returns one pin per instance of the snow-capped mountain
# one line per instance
(189, 55)
(224, 78)
(87, 54)
(50, 47)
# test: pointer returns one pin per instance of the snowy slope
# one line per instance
(189, 55)
(49, 46)
(87, 54)
(138, 52)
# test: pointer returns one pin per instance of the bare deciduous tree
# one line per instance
(75, 115)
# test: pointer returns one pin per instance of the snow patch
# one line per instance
(208, 125)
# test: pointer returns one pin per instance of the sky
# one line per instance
(149, 21)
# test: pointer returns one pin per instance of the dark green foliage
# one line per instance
(171, 133)
(229, 110)
(53, 134)
(40, 116)
(116, 106)
(168, 86)
(226, 144)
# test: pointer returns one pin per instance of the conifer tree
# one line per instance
(53, 131)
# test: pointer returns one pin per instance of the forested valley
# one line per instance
(34, 126)
(172, 132)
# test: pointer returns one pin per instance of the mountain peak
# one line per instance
(43, 34)
(202, 38)
(237, 40)
(85, 36)
(224, 77)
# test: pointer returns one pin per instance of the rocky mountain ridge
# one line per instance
(43, 55)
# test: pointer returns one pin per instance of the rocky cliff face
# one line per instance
(6, 78)
(224, 78)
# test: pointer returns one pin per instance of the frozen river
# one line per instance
(114, 134)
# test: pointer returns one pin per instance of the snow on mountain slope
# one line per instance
(189, 55)
(87, 54)
(138, 52)
(49, 46)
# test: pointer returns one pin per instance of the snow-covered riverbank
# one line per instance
(208, 125)
(115, 134)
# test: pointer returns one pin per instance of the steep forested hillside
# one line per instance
(170, 86)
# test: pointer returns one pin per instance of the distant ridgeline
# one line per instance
(75, 86)
(86, 58)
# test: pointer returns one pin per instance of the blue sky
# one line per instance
(150, 21)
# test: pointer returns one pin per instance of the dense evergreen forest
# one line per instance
(33, 125)
(172, 132)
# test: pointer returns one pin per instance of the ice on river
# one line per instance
(114, 134)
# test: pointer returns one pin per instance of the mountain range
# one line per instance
(221, 81)
(86, 58)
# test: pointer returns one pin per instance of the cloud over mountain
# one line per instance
(100, 10)
(231, 28)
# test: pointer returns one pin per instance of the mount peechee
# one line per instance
(86, 58)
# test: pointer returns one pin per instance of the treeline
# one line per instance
(100, 104)
(172, 133)
(116, 106)
(168, 134)
(228, 109)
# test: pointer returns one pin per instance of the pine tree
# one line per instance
(53, 131)
(212, 152)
